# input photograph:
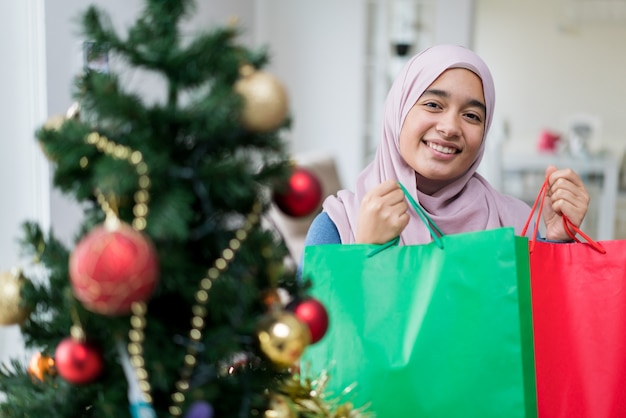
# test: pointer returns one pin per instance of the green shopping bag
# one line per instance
(441, 330)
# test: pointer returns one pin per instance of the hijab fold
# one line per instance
(468, 203)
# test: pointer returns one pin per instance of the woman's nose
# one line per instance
(449, 125)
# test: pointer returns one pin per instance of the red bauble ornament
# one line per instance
(78, 362)
(302, 194)
(314, 315)
(112, 267)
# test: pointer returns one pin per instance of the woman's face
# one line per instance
(443, 131)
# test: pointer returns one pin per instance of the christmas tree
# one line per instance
(176, 299)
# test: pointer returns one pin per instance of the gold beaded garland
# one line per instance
(136, 334)
(199, 310)
(134, 158)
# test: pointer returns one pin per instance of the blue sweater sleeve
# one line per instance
(321, 231)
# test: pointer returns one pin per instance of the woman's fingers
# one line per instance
(383, 214)
(566, 196)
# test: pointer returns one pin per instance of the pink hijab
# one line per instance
(468, 203)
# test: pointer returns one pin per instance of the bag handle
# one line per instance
(434, 230)
(569, 227)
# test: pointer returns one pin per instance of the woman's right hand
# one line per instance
(383, 214)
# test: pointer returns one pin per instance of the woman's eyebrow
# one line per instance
(478, 103)
(444, 94)
(436, 92)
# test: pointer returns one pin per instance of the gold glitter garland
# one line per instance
(199, 309)
(140, 210)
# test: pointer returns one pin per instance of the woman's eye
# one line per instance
(474, 117)
(432, 105)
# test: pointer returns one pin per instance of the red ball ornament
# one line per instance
(77, 361)
(112, 267)
(314, 315)
(302, 194)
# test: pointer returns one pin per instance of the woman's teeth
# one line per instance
(441, 148)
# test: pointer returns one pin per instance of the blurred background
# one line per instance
(558, 66)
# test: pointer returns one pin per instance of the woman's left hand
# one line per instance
(567, 196)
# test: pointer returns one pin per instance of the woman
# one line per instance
(436, 118)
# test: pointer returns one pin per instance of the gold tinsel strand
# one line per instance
(310, 399)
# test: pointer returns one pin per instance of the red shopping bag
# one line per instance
(579, 321)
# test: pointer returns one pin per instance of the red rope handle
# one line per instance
(567, 224)
(538, 201)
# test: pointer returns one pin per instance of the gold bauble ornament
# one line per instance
(11, 311)
(280, 407)
(265, 100)
(282, 338)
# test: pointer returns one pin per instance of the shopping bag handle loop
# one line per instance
(434, 230)
(538, 201)
(569, 227)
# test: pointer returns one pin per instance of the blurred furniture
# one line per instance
(581, 132)
(530, 170)
(294, 230)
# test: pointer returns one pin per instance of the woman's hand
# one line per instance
(567, 196)
(383, 214)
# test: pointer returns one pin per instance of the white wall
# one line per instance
(23, 169)
(546, 68)
(318, 52)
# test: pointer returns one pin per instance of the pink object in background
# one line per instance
(548, 141)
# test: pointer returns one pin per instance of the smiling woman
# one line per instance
(435, 120)
(443, 131)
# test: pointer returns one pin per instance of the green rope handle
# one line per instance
(434, 230)
(383, 247)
